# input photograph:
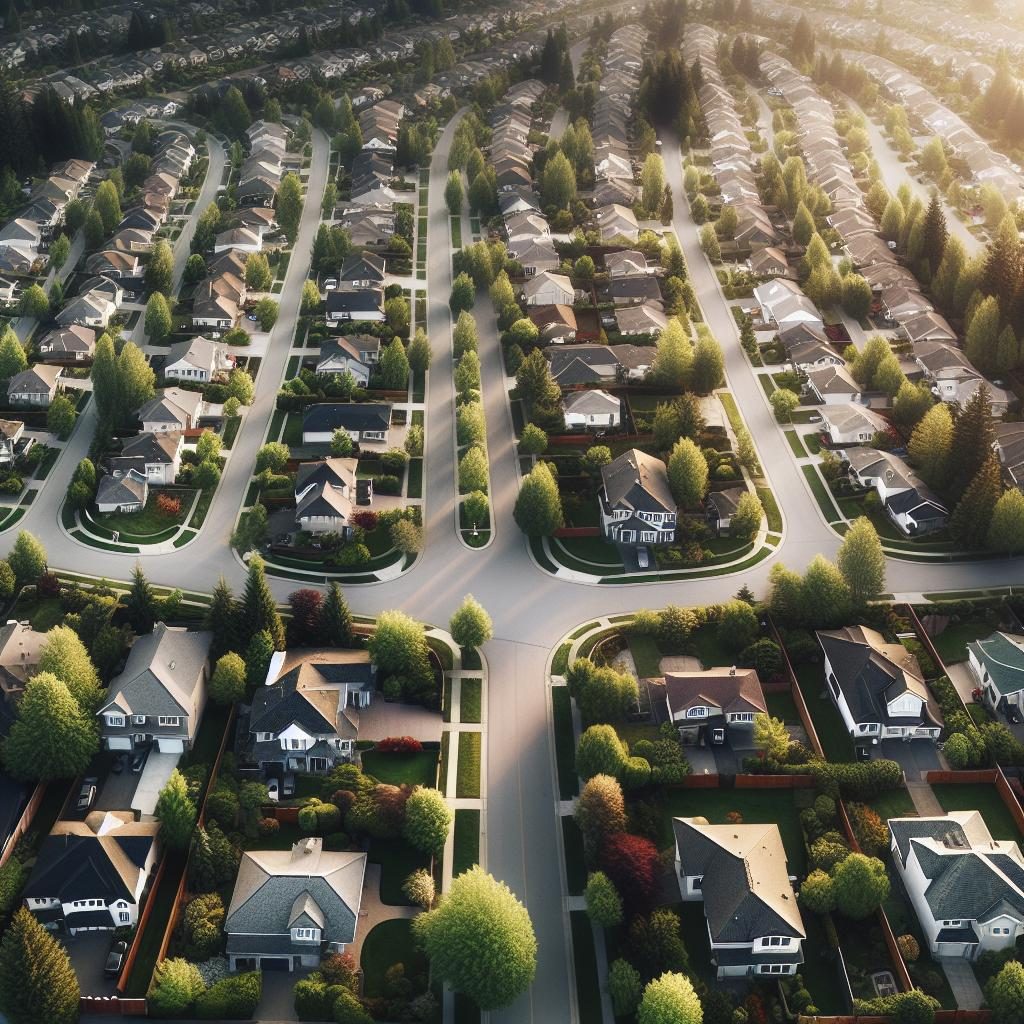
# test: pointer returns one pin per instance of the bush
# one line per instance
(13, 876)
(399, 745)
(202, 926)
(909, 948)
(231, 999)
(861, 780)
(871, 832)
(167, 505)
(633, 865)
(268, 827)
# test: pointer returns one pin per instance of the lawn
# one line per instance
(418, 769)
(710, 649)
(952, 642)
(795, 445)
(979, 797)
(575, 868)
(43, 612)
(149, 521)
(153, 935)
(466, 847)
(467, 781)
(565, 745)
(646, 655)
(292, 435)
(560, 661)
(389, 943)
(397, 860)
(822, 495)
(782, 705)
(828, 723)
(469, 701)
(757, 806)
(897, 803)
(588, 987)
(590, 549)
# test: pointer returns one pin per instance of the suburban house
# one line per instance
(94, 305)
(852, 424)
(128, 492)
(355, 304)
(833, 385)
(549, 289)
(155, 457)
(877, 686)
(197, 360)
(90, 875)
(11, 432)
(20, 645)
(713, 698)
(172, 410)
(160, 694)
(740, 873)
(326, 493)
(290, 907)
(74, 344)
(35, 386)
(557, 324)
(616, 220)
(910, 503)
(648, 318)
(783, 304)
(1009, 446)
(306, 717)
(625, 263)
(720, 507)
(591, 410)
(966, 887)
(363, 270)
(768, 262)
(584, 364)
(636, 502)
(357, 354)
(365, 422)
(997, 664)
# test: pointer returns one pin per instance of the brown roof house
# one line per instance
(714, 698)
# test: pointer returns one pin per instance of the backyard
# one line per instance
(397, 860)
(952, 642)
(979, 797)
(828, 723)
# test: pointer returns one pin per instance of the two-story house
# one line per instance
(90, 875)
(327, 493)
(636, 503)
(155, 457)
(997, 664)
(739, 872)
(966, 887)
(714, 698)
(197, 360)
(290, 907)
(159, 696)
(357, 354)
(908, 501)
(172, 410)
(877, 686)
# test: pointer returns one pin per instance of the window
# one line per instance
(295, 744)
(306, 934)
(952, 924)
(773, 969)
(698, 882)
(743, 716)
(169, 720)
(138, 719)
(774, 940)
(123, 916)
(115, 720)
(698, 712)
(1000, 931)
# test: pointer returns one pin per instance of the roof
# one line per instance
(731, 689)
(848, 417)
(329, 416)
(163, 671)
(198, 352)
(746, 888)
(871, 673)
(172, 405)
(271, 883)
(591, 403)
(74, 338)
(35, 380)
(348, 345)
(576, 364)
(153, 448)
(637, 481)
(724, 502)
(1002, 655)
(349, 300)
(123, 490)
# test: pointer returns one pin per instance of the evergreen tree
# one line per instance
(1006, 530)
(160, 268)
(935, 234)
(258, 654)
(135, 380)
(176, 812)
(108, 206)
(158, 318)
(289, 205)
(104, 377)
(687, 474)
(259, 609)
(141, 605)
(972, 516)
(37, 981)
(673, 358)
(12, 354)
(335, 619)
(222, 620)
(538, 508)
(1007, 351)
(973, 438)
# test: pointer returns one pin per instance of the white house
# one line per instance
(852, 424)
(833, 385)
(127, 492)
(636, 503)
(591, 410)
(783, 304)
(966, 887)
(997, 664)
(877, 686)
(549, 289)
(197, 360)
(909, 502)
(740, 874)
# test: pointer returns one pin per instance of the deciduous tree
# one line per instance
(289, 205)
(428, 821)
(604, 905)
(538, 508)
(227, 684)
(862, 562)
(470, 626)
(687, 473)
(670, 999)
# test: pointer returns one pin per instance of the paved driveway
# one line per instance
(277, 1001)
(915, 757)
(117, 791)
(88, 953)
(159, 766)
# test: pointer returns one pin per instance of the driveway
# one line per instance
(88, 953)
(117, 791)
(915, 757)
(154, 777)
(960, 676)
(277, 1001)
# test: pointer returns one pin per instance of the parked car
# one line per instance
(87, 794)
(288, 785)
(139, 760)
(643, 558)
(863, 753)
(330, 284)
(273, 790)
(115, 958)
(120, 763)
(718, 737)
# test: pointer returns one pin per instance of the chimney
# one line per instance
(732, 671)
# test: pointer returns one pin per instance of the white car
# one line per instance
(330, 284)
(273, 790)
(643, 558)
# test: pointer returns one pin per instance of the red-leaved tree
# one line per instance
(365, 520)
(632, 863)
(399, 745)
(167, 505)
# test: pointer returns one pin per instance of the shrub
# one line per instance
(176, 985)
(13, 876)
(222, 806)
(365, 519)
(231, 999)
(632, 864)
(319, 816)
(909, 948)
(268, 827)
(861, 780)
(168, 505)
(399, 745)
(202, 925)
(871, 832)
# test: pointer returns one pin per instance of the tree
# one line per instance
(428, 821)
(158, 318)
(221, 619)
(52, 736)
(419, 352)
(61, 416)
(135, 380)
(6, 581)
(784, 402)
(93, 230)
(342, 445)
(604, 905)
(817, 893)
(747, 518)
(34, 303)
(335, 628)
(241, 386)
(453, 193)
(803, 224)
(65, 656)
(289, 205)
(1007, 350)
(533, 440)
(258, 277)
(259, 609)
(856, 296)
(27, 558)
(473, 470)
(600, 812)
(708, 368)
(825, 590)
(600, 752)
(709, 243)
(393, 366)
(652, 179)
(419, 889)
(273, 456)
(624, 987)
(862, 562)
(464, 334)
(463, 294)
(536, 386)
(603, 694)
(1005, 993)
(37, 981)
(227, 684)
(258, 653)
(407, 536)
(12, 355)
(771, 736)
(981, 345)
(329, 201)
(177, 984)
(266, 311)
(973, 438)
(1006, 530)
(108, 206)
(892, 221)
(670, 999)
(470, 626)
(176, 812)
(208, 446)
(396, 313)
(160, 268)
(398, 646)
(538, 508)
(480, 940)
(738, 624)
(59, 251)
(687, 473)
(859, 885)
(931, 444)
(673, 358)
(558, 183)
(972, 516)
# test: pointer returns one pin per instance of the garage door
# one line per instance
(169, 746)
(119, 743)
(275, 963)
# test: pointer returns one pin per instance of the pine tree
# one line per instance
(972, 516)
(947, 275)
(335, 618)
(982, 344)
(289, 205)
(973, 438)
(1007, 351)
(141, 604)
(37, 981)
(936, 233)
(222, 621)
(176, 812)
(12, 354)
(1003, 264)
(259, 609)
(160, 268)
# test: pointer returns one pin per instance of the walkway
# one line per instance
(963, 982)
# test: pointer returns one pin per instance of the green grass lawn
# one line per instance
(894, 804)
(758, 806)
(560, 660)
(771, 509)
(952, 642)
(416, 769)
(43, 612)
(292, 435)
(471, 659)
(469, 701)
(795, 445)
(782, 705)
(588, 987)
(565, 747)
(397, 860)
(979, 797)
(828, 723)
(575, 867)
(149, 521)
(710, 649)
(466, 847)
(153, 935)
(590, 549)
(821, 494)
(390, 942)
(646, 655)
(467, 780)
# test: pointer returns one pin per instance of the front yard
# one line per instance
(419, 769)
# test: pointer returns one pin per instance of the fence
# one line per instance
(774, 781)
(797, 695)
(992, 776)
(25, 821)
(578, 531)
(926, 642)
(112, 1006)
(941, 1017)
(140, 928)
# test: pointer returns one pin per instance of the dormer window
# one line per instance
(116, 721)
(698, 712)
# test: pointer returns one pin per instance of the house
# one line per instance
(243, 239)
(11, 432)
(783, 304)
(306, 717)
(326, 493)
(720, 507)
(591, 410)
(350, 353)
(740, 874)
(997, 664)
(94, 305)
(701, 700)
(647, 318)
(160, 694)
(616, 220)
(155, 457)
(852, 424)
(549, 289)
(90, 875)
(557, 324)
(584, 364)
(74, 344)
(218, 301)
(289, 907)
(20, 645)
(877, 686)
(833, 385)
(768, 262)
(636, 502)
(114, 263)
(197, 360)
(363, 270)
(966, 887)
(127, 492)
(634, 291)
(172, 410)
(536, 256)
(355, 304)
(909, 501)
(928, 326)
(35, 386)
(625, 263)
(1009, 446)
(366, 422)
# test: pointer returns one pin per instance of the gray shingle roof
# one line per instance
(638, 481)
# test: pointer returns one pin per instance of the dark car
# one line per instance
(115, 958)
(139, 760)
(1013, 715)
(119, 763)
(863, 753)
(87, 794)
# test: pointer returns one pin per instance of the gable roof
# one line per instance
(122, 490)
(172, 405)
(731, 689)
(591, 403)
(1002, 655)
(359, 416)
(637, 481)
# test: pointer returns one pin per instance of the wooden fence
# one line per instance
(140, 928)
(941, 1017)
(991, 776)
(797, 695)
(112, 1006)
(578, 531)
(25, 821)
